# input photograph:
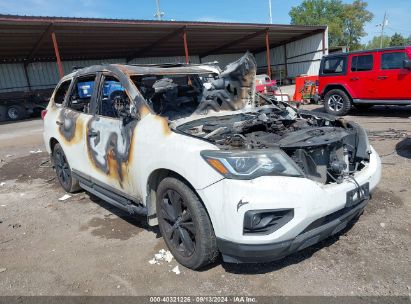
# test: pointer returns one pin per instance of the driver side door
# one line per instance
(110, 139)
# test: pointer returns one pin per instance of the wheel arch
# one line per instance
(52, 143)
(336, 86)
(153, 181)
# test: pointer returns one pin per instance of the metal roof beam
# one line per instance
(39, 42)
(235, 42)
(155, 44)
(299, 37)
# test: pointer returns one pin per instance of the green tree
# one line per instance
(345, 21)
(355, 17)
(375, 42)
(398, 40)
(320, 12)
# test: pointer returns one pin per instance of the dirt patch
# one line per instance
(113, 227)
(27, 168)
(383, 200)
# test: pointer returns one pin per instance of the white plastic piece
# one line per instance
(64, 197)
(176, 270)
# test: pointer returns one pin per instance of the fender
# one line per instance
(343, 86)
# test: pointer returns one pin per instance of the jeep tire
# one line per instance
(337, 102)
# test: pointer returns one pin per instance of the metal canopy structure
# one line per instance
(29, 39)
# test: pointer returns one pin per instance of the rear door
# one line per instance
(394, 81)
(110, 138)
(72, 120)
(361, 80)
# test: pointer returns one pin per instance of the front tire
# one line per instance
(185, 225)
(337, 102)
(63, 170)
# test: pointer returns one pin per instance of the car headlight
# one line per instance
(251, 164)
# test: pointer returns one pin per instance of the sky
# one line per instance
(253, 11)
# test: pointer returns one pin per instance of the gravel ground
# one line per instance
(83, 246)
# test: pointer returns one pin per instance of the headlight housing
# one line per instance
(251, 164)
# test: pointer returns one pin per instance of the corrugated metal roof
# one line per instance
(27, 38)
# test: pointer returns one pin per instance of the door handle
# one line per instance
(59, 123)
(354, 78)
(382, 77)
(92, 134)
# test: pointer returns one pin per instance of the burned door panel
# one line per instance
(110, 136)
(110, 146)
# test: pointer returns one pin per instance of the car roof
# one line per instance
(150, 69)
(368, 51)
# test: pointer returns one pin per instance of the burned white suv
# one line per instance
(221, 169)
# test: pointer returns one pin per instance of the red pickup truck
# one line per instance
(365, 78)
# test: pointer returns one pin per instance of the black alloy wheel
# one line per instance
(178, 223)
(184, 224)
(63, 170)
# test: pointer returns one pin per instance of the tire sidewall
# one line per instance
(346, 102)
(194, 205)
(69, 186)
(20, 112)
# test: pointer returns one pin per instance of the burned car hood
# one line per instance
(325, 147)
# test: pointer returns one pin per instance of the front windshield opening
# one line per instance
(171, 96)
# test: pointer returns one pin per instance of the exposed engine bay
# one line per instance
(324, 147)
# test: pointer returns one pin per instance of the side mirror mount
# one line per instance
(407, 64)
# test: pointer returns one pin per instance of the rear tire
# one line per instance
(15, 112)
(185, 225)
(337, 102)
(63, 170)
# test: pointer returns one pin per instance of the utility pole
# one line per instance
(270, 13)
(383, 24)
(159, 14)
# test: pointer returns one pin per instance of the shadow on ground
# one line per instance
(403, 148)
(262, 268)
(377, 111)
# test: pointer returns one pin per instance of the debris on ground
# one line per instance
(382, 225)
(3, 269)
(162, 255)
(9, 155)
(2, 184)
(391, 133)
(45, 164)
(64, 197)
(35, 151)
(3, 205)
(14, 226)
(176, 270)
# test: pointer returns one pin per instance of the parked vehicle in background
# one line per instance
(16, 105)
(217, 173)
(264, 84)
(366, 78)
